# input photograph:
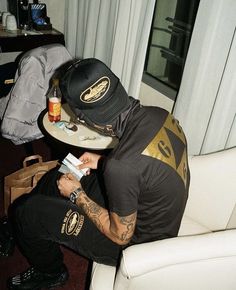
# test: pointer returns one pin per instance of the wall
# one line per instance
(149, 96)
(55, 10)
(3, 5)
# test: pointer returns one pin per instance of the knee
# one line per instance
(23, 208)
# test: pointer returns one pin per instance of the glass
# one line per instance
(169, 40)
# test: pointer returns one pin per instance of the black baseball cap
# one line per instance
(90, 87)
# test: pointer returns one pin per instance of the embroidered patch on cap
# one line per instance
(96, 92)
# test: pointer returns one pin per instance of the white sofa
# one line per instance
(203, 256)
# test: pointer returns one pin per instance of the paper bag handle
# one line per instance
(33, 157)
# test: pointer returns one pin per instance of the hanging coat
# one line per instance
(20, 109)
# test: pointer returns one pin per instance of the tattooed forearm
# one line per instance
(119, 229)
(93, 211)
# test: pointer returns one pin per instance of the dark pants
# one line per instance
(44, 219)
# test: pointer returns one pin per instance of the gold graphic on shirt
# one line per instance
(173, 125)
(72, 223)
(182, 168)
(161, 148)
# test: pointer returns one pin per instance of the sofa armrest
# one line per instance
(144, 258)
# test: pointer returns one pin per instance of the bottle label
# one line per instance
(54, 109)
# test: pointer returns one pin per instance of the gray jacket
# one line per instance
(20, 109)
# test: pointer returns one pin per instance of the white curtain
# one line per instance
(114, 31)
(206, 103)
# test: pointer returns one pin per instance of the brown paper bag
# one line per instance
(25, 179)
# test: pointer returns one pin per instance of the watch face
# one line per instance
(75, 194)
(73, 197)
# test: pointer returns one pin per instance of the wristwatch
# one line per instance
(75, 194)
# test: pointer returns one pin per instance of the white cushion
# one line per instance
(212, 192)
(190, 227)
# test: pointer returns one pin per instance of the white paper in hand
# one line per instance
(69, 165)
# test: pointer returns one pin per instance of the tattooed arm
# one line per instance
(118, 229)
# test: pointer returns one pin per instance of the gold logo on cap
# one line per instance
(96, 92)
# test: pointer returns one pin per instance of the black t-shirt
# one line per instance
(148, 172)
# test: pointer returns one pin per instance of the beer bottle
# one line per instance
(54, 102)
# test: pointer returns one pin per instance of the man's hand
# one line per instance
(68, 183)
(90, 160)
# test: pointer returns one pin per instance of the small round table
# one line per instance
(83, 138)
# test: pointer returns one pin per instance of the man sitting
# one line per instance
(135, 194)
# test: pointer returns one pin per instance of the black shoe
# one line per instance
(7, 241)
(32, 279)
